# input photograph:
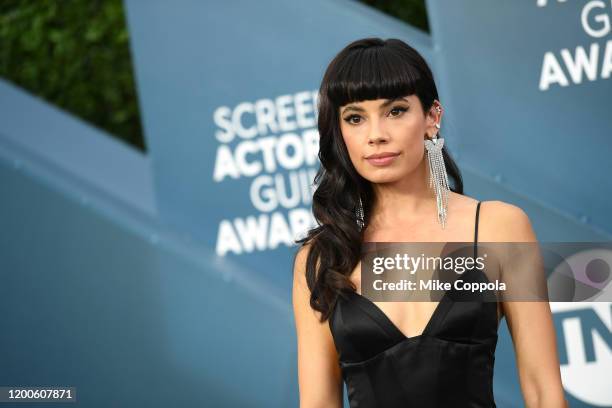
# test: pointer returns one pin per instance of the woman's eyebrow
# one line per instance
(382, 105)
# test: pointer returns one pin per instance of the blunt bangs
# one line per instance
(372, 73)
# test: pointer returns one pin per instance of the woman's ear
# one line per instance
(434, 116)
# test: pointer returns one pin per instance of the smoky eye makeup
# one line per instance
(348, 118)
(399, 108)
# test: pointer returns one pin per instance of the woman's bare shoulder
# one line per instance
(502, 221)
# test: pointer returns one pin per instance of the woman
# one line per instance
(378, 121)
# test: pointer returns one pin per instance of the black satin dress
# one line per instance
(449, 365)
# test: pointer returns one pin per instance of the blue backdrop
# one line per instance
(165, 279)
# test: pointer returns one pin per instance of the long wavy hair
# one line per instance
(366, 69)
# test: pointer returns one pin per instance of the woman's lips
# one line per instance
(382, 161)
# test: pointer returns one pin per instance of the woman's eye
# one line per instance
(398, 109)
(349, 119)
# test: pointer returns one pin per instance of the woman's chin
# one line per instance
(381, 177)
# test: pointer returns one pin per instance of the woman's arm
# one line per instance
(530, 323)
(320, 379)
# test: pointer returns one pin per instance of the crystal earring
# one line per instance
(438, 178)
(359, 214)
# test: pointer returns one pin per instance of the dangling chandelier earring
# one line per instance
(438, 179)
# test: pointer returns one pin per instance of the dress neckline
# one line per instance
(379, 315)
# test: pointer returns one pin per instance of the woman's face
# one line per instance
(397, 127)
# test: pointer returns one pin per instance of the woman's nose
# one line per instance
(377, 135)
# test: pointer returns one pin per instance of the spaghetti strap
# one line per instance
(476, 230)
